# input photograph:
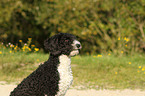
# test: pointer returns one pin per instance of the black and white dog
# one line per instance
(54, 77)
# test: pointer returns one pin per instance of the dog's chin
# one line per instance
(74, 52)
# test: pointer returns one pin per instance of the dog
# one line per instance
(54, 77)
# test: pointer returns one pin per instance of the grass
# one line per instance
(15, 66)
(110, 71)
(99, 72)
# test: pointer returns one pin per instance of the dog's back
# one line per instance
(42, 81)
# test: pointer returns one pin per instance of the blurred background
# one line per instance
(110, 31)
(100, 25)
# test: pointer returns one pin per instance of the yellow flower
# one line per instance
(143, 69)
(10, 51)
(20, 40)
(122, 52)
(99, 55)
(116, 73)
(126, 45)
(109, 54)
(129, 62)
(144, 72)
(29, 39)
(24, 48)
(29, 49)
(15, 47)
(139, 66)
(32, 45)
(127, 39)
(38, 60)
(119, 38)
(11, 45)
(36, 49)
(0, 52)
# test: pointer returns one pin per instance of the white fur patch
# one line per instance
(74, 44)
(65, 72)
(75, 49)
(75, 52)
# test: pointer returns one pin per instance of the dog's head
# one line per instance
(62, 43)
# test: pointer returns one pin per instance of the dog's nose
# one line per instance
(78, 45)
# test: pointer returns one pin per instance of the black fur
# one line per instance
(45, 79)
(59, 44)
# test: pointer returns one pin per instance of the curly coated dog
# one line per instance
(54, 77)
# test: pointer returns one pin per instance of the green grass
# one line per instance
(108, 71)
(16, 66)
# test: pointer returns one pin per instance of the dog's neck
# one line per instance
(64, 60)
(65, 63)
(65, 73)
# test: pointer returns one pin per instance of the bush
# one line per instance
(101, 25)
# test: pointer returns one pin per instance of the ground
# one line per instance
(5, 90)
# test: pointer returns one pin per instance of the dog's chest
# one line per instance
(65, 74)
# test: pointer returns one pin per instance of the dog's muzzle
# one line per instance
(77, 45)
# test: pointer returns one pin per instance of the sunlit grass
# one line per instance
(110, 71)
(18, 65)
(95, 71)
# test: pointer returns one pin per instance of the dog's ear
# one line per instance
(51, 44)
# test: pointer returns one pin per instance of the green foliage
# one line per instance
(98, 23)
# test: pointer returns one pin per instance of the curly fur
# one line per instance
(48, 79)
